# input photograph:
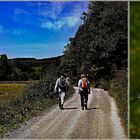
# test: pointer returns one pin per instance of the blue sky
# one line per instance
(38, 29)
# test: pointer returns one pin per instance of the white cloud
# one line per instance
(54, 18)
(51, 10)
(50, 15)
(67, 21)
(53, 25)
(71, 21)
(59, 24)
(47, 9)
(47, 24)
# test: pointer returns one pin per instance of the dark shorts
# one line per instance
(63, 89)
(84, 91)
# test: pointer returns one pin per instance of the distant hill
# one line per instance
(25, 68)
(33, 62)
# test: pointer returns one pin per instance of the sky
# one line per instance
(38, 29)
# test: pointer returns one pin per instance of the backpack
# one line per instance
(62, 84)
(84, 84)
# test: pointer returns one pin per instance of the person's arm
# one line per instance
(56, 85)
(79, 86)
(79, 83)
(88, 86)
(67, 81)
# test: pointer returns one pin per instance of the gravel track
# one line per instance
(100, 121)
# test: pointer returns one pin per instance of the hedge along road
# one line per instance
(98, 122)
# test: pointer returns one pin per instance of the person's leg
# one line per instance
(86, 99)
(62, 99)
(59, 100)
(82, 100)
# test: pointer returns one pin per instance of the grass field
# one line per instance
(10, 94)
(10, 91)
(16, 109)
(134, 69)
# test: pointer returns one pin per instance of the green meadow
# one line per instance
(10, 91)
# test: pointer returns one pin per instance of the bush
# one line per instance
(103, 84)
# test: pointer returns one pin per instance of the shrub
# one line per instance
(103, 84)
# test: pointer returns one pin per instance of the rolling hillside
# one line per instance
(19, 69)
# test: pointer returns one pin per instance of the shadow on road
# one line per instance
(93, 108)
(69, 108)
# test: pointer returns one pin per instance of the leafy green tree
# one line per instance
(100, 43)
(5, 68)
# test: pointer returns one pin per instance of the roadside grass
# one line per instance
(17, 112)
(24, 102)
(119, 92)
(117, 88)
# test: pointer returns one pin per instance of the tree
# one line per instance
(100, 43)
(5, 68)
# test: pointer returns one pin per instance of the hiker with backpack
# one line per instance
(84, 90)
(61, 87)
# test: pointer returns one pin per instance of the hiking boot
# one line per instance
(86, 107)
(62, 107)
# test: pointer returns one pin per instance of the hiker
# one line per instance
(84, 90)
(61, 87)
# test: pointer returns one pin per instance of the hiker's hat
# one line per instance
(61, 76)
(83, 75)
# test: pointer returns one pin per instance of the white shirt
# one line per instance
(58, 81)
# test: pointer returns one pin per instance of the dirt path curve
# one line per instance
(99, 122)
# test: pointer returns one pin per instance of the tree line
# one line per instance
(25, 69)
(99, 47)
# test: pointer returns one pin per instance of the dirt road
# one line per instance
(98, 122)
